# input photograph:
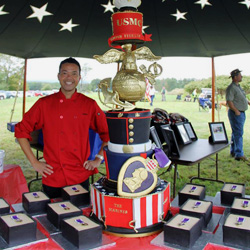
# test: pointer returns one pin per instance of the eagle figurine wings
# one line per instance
(127, 56)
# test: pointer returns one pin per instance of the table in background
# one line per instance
(12, 184)
(194, 153)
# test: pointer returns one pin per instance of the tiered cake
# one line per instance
(121, 200)
(131, 199)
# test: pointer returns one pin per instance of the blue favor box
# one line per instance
(11, 126)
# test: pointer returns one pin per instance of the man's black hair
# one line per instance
(70, 60)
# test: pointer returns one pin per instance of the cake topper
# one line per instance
(127, 56)
(126, 3)
(129, 84)
(111, 97)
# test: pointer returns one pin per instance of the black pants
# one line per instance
(54, 192)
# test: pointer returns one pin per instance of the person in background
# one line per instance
(163, 94)
(65, 119)
(238, 104)
(205, 102)
(194, 94)
(152, 94)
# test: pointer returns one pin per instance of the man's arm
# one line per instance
(91, 165)
(41, 167)
(232, 107)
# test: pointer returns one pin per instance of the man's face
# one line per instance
(69, 77)
(238, 78)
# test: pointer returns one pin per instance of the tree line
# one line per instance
(221, 84)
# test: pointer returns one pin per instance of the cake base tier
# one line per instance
(125, 215)
(131, 233)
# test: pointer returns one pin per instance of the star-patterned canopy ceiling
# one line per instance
(81, 28)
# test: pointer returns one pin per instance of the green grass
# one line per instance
(229, 169)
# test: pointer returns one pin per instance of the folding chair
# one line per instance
(203, 104)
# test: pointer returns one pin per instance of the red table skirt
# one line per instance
(12, 184)
(121, 244)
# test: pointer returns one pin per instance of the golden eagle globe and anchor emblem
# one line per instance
(129, 85)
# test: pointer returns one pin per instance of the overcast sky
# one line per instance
(46, 69)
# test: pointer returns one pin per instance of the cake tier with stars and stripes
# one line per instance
(121, 215)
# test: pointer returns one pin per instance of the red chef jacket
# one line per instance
(65, 124)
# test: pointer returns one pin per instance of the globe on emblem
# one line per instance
(130, 84)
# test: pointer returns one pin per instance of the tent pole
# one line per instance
(213, 89)
(24, 84)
